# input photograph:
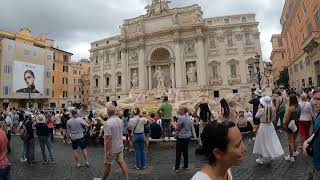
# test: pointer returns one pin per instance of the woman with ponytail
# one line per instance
(267, 144)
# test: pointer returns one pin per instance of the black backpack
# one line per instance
(205, 113)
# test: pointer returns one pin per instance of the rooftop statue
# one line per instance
(157, 7)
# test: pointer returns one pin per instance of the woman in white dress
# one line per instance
(267, 143)
(222, 142)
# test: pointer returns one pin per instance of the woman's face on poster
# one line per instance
(29, 79)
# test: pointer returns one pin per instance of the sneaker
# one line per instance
(185, 168)
(126, 148)
(53, 162)
(78, 165)
(253, 138)
(23, 159)
(259, 161)
(136, 167)
(87, 164)
(46, 162)
(289, 158)
(296, 153)
(96, 178)
(144, 167)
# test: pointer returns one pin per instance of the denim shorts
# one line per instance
(78, 142)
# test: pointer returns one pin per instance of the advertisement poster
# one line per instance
(27, 77)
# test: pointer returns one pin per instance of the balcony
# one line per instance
(312, 42)
(234, 80)
(215, 81)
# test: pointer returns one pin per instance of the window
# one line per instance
(49, 57)
(210, 22)
(235, 91)
(9, 47)
(226, 20)
(303, 83)
(53, 66)
(66, 80)
(52, 93)
(74, 80)
(5, 90)
(52, 79)
(310, 81)
(79, 89)
(34, 53)
(282, 55)
(248, 39)
(216, 94)
(244, 19)
(119, 80)
(108, 98)
(317, 18)
(233, 71)
(75, 97)
(26, 52)
(309, 28)
(63, 80)
(79, 96)
(107, 59)
(97, 44)
(97, 82)
(107, 42)
(280, 43)
(307, 61)
(47, 91)
(215, 73)
(301, 65)
(212, 41)
(48, 74)
(107, 81)
(304, 7)
(7, 69)
(65, 69)
(230, 39)
(74, 89)
(296, 68)
(65, 58)
(66, 93)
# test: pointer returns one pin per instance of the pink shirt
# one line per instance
(3, 149)
(114, 127)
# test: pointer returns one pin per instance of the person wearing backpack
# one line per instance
(314, 139)
(29, 141)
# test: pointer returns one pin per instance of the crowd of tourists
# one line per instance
(219, 138)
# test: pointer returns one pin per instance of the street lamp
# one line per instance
(259, 74)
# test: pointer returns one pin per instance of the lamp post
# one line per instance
(29, 100)
(259, 75)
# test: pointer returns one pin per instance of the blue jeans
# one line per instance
(24, 150)
(45, 141)
(139, 149)
(5, 173)
(165, 124)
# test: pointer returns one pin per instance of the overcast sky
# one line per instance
(73, 24)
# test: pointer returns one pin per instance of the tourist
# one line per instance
(315, 139)
(183, 135)
(306, 117)
(44, 140)
(76, 126)
(50, 124)
(292, 113)
(224, 147)
(225, 110)
(280, 110)
(64, 119)
(146, 129)
(204, 114)
(155, 128)
(136, 124)
(113, 144)
(8, 121)
(164, 112)
(57, 123)
(96, 131)
(29, 140)
(126, 133)
(5, 165)
(255, 107)
(267, 144)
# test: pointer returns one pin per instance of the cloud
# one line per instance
(73, 24)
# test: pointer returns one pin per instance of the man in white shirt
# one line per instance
(113, 144)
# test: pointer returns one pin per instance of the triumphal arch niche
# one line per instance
(175, 49)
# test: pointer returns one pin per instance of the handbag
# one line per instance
(309, 149)
(292, 126)
(135, 126)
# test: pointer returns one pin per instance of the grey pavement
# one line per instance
(160, 159)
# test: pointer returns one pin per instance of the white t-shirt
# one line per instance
(305, 111)
(203, 176)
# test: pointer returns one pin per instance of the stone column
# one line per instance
(173, 83)
(178, 62)
(124, 70)
(201, 63)
(150, 77)
(142, 72)
(113, 78)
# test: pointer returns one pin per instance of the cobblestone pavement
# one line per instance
(160, 158)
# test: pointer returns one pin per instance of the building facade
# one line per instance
(85, 80)
(277, 56)
(75, 86)
(300, 21)
(25, 69)
(60, 79)
(176, 49)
